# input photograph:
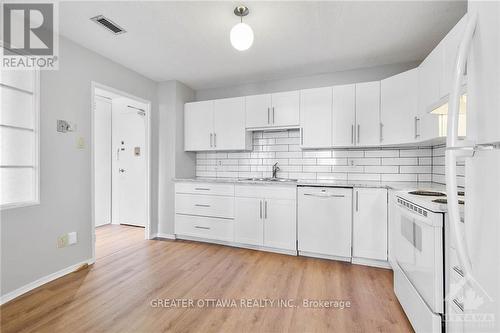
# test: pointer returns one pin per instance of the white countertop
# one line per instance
(397, 186)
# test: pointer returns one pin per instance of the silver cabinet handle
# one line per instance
(325, 195)
(211, 137)
(302, 136)
(416, 127)
(381, 132)
(352, 133)
(260, 204)
(273, 114)
(357, 132)
(201, 189)
(265, 209)
(459, 304)
(357, 201)
(268, 115)
(200, 227)
(200, 205)
(458, 270)
(215, 139)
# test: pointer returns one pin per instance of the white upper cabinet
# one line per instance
(368, 113)
(449, 47)
(216, 125)
(344, 115)
(273, 110)
(198, 126)
(428, 95)
(316, 117)
(229, 124)
(258, 111)
(398, 109)
(285, 109)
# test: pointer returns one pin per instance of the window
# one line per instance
(19, 134)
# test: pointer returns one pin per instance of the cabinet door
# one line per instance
(316, 117)
(343, 116)
(370, 224)
(428, 90)
(285, 109)
(399, 99)
(198, 126)
(258, 111)
(279, 224)
(368, 113)
(229, 124)
(449, 56)
(248, 224)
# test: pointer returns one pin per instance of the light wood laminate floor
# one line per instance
(116, 293)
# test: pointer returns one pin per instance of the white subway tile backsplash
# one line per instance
(370, 164)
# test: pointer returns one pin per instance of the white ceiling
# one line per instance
(189, 41)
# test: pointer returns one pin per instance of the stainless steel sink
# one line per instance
(269, 179)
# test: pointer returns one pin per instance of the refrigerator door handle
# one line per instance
(451, 147)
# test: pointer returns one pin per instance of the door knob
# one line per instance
(121, 170)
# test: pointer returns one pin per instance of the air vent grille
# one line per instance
(108, 24)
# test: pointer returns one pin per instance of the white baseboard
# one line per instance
(163, 235)
(46, 279)
(371, 262)
(324, 256)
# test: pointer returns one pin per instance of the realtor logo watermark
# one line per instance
(30, 38)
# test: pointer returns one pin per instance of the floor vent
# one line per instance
(108, 24)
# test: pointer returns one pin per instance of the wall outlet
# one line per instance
(80, 143)
(72, 238)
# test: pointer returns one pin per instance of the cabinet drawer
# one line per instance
(205, 188)
(204, 227)
(268, 192)
(205, 205)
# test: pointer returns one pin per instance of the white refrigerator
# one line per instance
(478, 237)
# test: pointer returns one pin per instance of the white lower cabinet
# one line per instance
(265, 216)
(369, 234)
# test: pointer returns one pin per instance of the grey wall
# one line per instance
(29, 235)
(313, 81)
(173, 161)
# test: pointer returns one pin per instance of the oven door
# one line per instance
(419, 252)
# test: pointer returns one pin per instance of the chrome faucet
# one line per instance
(276, 168)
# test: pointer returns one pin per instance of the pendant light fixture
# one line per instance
(241, 35)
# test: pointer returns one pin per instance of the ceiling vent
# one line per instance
(108, 24)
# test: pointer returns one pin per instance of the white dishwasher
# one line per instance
(325, 222)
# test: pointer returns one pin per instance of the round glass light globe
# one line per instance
(241, 36)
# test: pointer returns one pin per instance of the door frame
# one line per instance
(96, 85)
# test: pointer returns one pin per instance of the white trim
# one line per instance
(371, 262)
(95, 85)
(41, 281)
(162, 235)
(324, 256)
(36, 152)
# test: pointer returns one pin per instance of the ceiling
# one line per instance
(189, 41)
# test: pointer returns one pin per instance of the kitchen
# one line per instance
(386, 177)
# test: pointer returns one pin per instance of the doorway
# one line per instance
(120, 159)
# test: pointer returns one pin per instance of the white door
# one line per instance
(280, 224)
(258, 111)
(370, 224)
(285, 109)
(102, 160)
(343, 117)
(368, 113)
(248, 224)
(198, 126)
(229, 124)
(324, 221)
(129, 127)
(316, 117)
(399, 99)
